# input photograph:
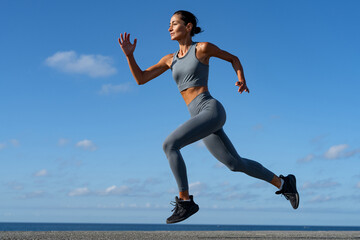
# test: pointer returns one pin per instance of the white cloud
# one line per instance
(327, 183)
(63, 142)
(34, 194)
(110, 189)
(2, 146)
(86, 145)
(114, 190)
(336, 151)
(12, 142)
(71, 62)
(41, 173)
(132, 205)
(339, 151)
(107, 89)
(15, 185)
(15, 142)
(79, 192)
(320, 199)
(197, 188)
(308, 158)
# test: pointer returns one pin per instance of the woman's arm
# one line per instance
(210, 50)
(142, 77)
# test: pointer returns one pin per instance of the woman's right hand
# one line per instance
(125, 44)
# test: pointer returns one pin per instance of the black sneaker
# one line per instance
(182, 210)
(289, 190)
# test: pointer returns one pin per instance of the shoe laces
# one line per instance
(176, 205)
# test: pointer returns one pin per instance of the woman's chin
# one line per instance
(173, 37)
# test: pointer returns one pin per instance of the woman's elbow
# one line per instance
(139, 82)
(140, 79)
(235, 60)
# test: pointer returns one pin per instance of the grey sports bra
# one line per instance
(188, 71)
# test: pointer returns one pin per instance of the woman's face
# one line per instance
(177, 28)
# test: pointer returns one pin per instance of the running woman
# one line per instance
(190, 70)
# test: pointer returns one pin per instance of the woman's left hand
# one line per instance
(242, 86)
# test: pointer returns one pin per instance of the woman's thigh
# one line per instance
(196, 128)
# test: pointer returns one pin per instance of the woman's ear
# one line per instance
(189, 26)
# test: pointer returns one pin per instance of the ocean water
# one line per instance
(162, 227)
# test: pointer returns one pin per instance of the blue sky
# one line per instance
(81, 142)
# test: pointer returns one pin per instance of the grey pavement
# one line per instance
(170, 235)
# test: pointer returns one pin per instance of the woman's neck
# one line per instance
(184, 45)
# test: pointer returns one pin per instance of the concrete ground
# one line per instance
(170, 235)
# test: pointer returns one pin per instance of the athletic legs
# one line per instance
(208, 117)
(222, 149)
(196, 128)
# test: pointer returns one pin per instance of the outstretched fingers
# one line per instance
(121, 39)
(124, 38)
(125, 44)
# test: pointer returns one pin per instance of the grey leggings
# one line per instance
(207, 119)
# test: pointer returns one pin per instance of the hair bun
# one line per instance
(197, 30)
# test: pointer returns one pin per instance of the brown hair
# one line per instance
(188, 17)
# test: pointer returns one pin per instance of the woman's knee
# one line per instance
(168, 145)
(236, 165)
(232, 167)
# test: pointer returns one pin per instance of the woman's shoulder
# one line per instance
(169, 56)
(204, 46)
(167, 59)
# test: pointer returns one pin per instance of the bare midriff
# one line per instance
(191, 93)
